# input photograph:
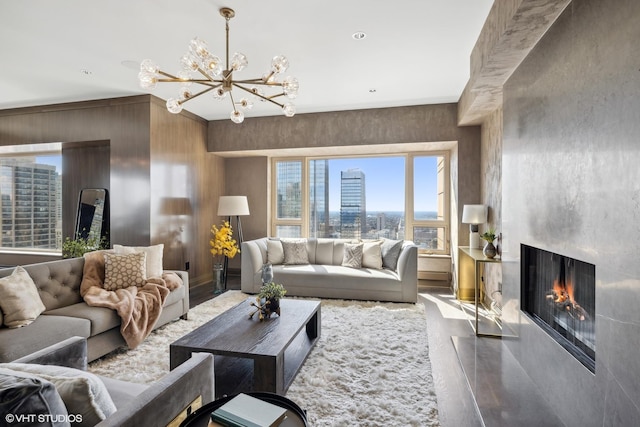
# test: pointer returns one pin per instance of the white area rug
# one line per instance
(370, 367)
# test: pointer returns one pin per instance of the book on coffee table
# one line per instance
(248, 411)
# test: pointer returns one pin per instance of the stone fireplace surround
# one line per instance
(571, 185)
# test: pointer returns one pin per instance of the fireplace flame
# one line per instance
(562, 295)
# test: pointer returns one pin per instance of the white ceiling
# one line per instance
(416, 51)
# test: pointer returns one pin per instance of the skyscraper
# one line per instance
(29, 204)
(353, 210)
(319, 198)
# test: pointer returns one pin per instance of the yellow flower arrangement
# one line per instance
(223, 243)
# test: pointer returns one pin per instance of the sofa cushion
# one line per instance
(122, 271)
(372, 255)
(324, 251)
(19, 299)
(295, 252)
(275, 252)
(352, 255)
(24, 394)
(83, 393)
(122, 392)
(44, 331)
(101, 318)
(390, 253)
(154, 266)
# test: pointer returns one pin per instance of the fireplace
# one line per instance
(559, 294)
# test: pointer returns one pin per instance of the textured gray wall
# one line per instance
(369, 128)
(571, 185)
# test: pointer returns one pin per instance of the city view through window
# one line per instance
(364, 198)
(31, 202)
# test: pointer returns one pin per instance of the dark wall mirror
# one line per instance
(92, 221)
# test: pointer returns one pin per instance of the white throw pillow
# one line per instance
(154, 257)
(122, 271)
(275, 252)
(19, 299)
(295, 252)
(83, 393)
(372, 255)
(352, 255)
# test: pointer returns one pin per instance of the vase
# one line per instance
(218, 278)
(489, 250)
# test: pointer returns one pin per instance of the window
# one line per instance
(430, 219)
(397, 197)
(31, 199)
(288, 191)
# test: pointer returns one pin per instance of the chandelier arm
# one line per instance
(173, 79)
(233, 103)
(258, 82)
(209, 89)
(258, 95)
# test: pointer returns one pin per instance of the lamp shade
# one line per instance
(233, 206)
(474, 214)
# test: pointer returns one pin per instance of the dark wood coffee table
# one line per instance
(251, 355)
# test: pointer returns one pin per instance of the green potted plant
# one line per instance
(271, 291)
(268, 300)
(489, 249)
(75, 248)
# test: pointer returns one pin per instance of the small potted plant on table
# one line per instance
(268, 300)
(489, 249)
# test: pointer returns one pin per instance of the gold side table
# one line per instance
(471, 288)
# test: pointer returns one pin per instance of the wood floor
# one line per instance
(477, 383)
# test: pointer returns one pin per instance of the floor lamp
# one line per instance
(232, 206)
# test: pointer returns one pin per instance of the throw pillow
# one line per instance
(275, 252)
(295, 252)
(154, 257)
(390, 253)
(83, 393)
(372, 255)
(122, 271)
(19, 299)
(352, 255)
(25, 394)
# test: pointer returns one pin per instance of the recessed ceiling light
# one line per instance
(372, 90)
(86, 72)
(359, 35)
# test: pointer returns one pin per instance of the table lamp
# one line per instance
(474, 215)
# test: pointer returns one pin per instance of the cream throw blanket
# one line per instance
(138, 307)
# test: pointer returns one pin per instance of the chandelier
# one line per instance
(203, 70)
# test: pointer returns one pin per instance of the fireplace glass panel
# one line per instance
(558, 293)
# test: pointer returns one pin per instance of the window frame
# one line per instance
(410, 221)
(28, 151)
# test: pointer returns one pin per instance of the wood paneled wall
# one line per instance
(186, 182)
(153, 156)
(84, 165)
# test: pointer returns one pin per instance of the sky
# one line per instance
(385, 182)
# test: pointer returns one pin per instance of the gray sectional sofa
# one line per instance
(323, 275)
(67, 315)
(178, 393)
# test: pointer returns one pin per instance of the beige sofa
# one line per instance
(67, 315)
(324, 276)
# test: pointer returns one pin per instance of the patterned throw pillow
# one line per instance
(122, 271)
(154, 257)
(295, 252)
(353, 255)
